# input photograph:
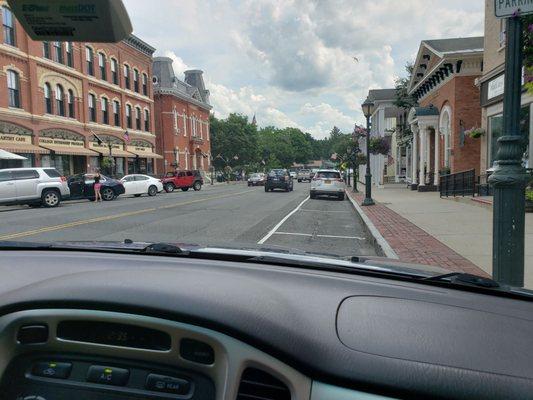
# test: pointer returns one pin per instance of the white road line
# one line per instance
(324, 236)
(325, 212)
(273, 230)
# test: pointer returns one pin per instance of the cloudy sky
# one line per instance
(292, 62)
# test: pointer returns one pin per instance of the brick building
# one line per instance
(76, 106)
(443, 82)
(491, 86)
(182, 118)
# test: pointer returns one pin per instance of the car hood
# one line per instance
(378, 264)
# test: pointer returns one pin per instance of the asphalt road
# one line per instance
(230, 215)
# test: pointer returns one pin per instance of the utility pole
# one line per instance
(510, 178)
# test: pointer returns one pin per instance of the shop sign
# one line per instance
(496, 87)
(10, 139)
(61, 142)
(105, 146)
(508, 8)
(137, 149)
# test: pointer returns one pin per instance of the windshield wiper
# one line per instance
(163, 248)
(465, 279)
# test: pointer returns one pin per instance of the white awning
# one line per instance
(6, 155)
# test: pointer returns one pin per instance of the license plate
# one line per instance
(275, 179)
(327, 181)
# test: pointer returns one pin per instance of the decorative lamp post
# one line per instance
(368, 109)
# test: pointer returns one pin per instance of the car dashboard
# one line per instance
(85, 325)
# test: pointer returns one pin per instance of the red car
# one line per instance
(182, 180)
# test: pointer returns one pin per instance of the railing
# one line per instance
(458, 184)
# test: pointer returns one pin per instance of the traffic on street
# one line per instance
(223, 214)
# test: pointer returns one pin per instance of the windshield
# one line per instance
(340, 129)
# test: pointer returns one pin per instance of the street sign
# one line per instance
(508, 8)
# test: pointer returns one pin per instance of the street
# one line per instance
(230, 215)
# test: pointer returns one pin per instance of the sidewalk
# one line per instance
(423, 228)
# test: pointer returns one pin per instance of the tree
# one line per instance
(403, 98)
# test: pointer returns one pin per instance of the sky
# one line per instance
(299, 63)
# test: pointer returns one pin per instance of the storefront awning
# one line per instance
(24, 148)
(70, 151)
(115, 153)
(145, 154)
(6, 155)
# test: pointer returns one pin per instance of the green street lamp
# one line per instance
(368, 110)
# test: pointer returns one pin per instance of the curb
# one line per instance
(380, 241)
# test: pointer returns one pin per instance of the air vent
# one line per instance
(258, 385)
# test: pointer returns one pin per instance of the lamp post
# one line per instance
(368, 109)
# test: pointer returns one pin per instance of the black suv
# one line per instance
(279, 179)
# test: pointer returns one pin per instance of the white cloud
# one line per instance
(291, 62)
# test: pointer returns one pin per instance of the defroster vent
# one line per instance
(259, 385)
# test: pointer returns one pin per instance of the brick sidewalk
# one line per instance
(413, 244)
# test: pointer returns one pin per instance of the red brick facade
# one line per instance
(62, 134)
(182, 130)
(462, 96)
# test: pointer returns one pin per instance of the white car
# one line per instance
(137, 184)
(33, 186)
(327, 182)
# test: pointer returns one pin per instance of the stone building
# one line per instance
(76, 106)
(182, 123)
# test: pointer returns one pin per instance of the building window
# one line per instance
(147, 120)
(46, 50)
(137, 118)
(105, 112)
(48, 98)
(13, 87)
(145, 84)
(70, 100)
(503, 32)
(92, 108)
(114, 71)
(68, 50)
(496, 131)
(136, 80)
(89, 57)
(127, 76)
(9, 26)
(58, 52)
(101, 64)
(60, 101)
(116, 112)
(184, 124)
(128, 115)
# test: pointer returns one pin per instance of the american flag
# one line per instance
(127, 137)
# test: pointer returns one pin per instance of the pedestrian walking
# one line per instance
(97, 186)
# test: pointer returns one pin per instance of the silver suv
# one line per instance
(33, 186)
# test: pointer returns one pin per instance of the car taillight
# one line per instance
(63, 179)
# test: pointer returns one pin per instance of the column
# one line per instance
(423, 140)
(414, 154)
(437, 163)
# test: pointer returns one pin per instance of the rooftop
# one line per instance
(456, 45)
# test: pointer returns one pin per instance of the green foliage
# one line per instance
(528, 51)
(529, 194)
(403, 99)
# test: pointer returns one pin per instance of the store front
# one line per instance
(492, 103)
(143, 158)
(67, 151)
(112, 156)
(19, 140)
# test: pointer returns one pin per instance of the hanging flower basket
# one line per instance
(475, 133)
(379, 145)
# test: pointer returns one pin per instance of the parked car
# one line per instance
(304, 175)
(33, 186)
(293, 174)
(82, 187)
(257, 179)
(327, 182)
(313, 172)
(279, 179)
(138, 184)
(183, 180)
